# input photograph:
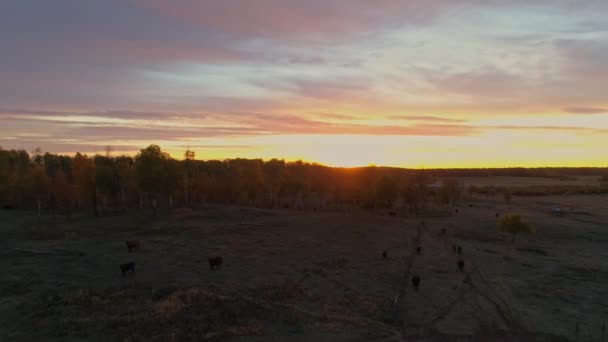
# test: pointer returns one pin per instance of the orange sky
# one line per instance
(442, 83)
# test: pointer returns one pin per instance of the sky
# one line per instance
(418, 83)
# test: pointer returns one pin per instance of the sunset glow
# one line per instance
(444, 83)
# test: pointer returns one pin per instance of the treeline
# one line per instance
(154, 180)
(565, 173)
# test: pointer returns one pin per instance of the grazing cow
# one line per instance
(419, 250)
(459, 250)
(461, 265)
(470, 206)
(128, 267)
(132, 245)
(454, 248)
(444, 231)
(215, 263)
(384, 254)
(416, 282)
(497, 215)
(392, 213)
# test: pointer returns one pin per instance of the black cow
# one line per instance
(416, 282)
(215, 263)
(461, 265)
(384, 254)
(128, 267)
(132, 245)
(419, 250)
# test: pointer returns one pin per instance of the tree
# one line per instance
(513, 224)
(85, 179)
(63, 193)
(124, 172)
(273, 178)
(188, 157)
(151, 171)
(38, 182)
(386, 191)
(449, 193)
(106, 178)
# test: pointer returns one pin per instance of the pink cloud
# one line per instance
(277, 18)
(586, 110)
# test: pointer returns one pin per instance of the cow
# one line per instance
(384, 254)
(444, 231)
(128, 267)
(459, 250)
(132, 245)
(419, 250)
(416, 282)
(215, 263)
(461, 265)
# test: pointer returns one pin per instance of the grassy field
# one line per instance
(529, 181)
(307, 276)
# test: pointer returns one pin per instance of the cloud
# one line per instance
(277, 18)
(424, 118)
(486, 81)
(290, 19)
(547, 128)
(585, 59)
(113, 114)
(326, 89)
(586, 110)
(143, 70)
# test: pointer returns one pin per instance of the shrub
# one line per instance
(513, 224)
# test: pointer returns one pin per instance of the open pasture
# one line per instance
(305, 275)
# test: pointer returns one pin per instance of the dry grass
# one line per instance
(301, 275)
(12, 285)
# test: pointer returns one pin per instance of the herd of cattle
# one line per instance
(215, 263)
(416, 278)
